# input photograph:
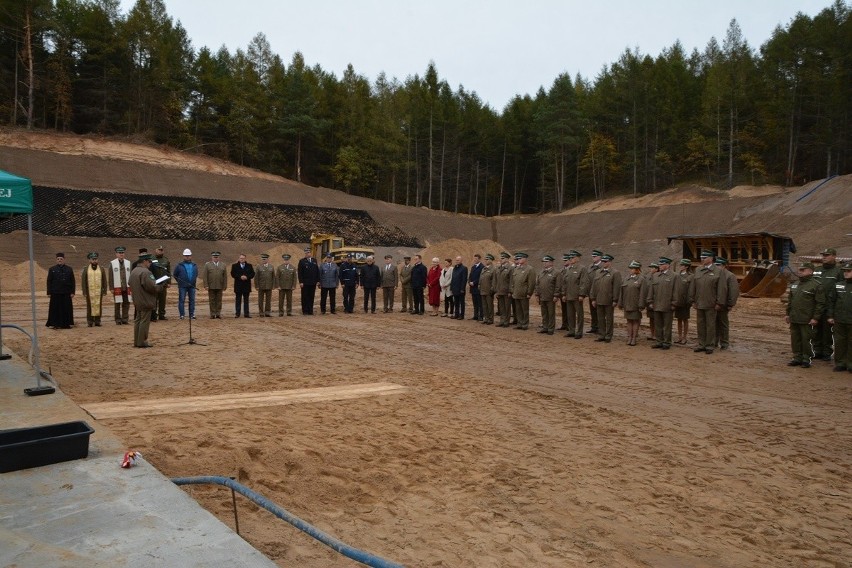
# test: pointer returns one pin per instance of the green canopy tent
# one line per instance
(16, 198)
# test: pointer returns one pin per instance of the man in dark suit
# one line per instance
(418, 283)
(473, 282)
(458, 284)
(309, 274)
(242, 272)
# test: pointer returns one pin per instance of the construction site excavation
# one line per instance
(441, 442)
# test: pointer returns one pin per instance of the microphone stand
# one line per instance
(180, 281)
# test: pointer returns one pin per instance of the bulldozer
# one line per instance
(324, 243)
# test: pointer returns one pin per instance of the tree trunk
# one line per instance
(429, 205)
(30, 64)
(731, 150)
(299, 158)
(441, 180)
(502, 180)
(458, 181)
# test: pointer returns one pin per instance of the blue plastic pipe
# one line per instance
(339, 546)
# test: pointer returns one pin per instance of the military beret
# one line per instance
(634, 264)
(60, 255)
(707, 253)
(92, 255)
(215, 253)
(505, 254)
(720, 260)
(607, 258)
(829, 251)
(489, 256)
(807, 265)
(264, 255)
(847, 266)
(145, 256)
(665, 260)
(547, 258)
(120, 249)
(685, 262)
(567, 256)
(576, 253)
(654, 265)
(521, 255)
(596, 252)
(285, 256)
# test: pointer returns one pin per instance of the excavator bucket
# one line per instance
(763, 282)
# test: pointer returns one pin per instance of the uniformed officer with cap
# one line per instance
(214, 277)
(349, 282)
(723, 326)
(285, 281)
(144, 293)
(828, 274)
(805, 304)
(522, 285)
(663, 297)
(594, 272)
(162, 262)
(503, 288)
(840, 317)
(560, 283)
(653, 269)
(708, 293)
(487, 288)
(575, 287)
(119, 276)
(264, 281)
(547, 294)
(605, 295)
(683, 308)
(407, 297)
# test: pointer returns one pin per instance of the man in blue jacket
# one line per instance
(349, 281)
(458, 284)
(329, 276)
(186, 274)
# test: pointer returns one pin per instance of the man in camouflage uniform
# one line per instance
(264, 281)
(523, 286)
(840, 317)
(827, 274)
(547, 293)
(487, 288)
(662, 300)
(594, 272)
(605, 295)
(285, 281)
(723, 325)
(805, 304)
(574, 287)
(214, 276)
(708, 293)
(503, 288)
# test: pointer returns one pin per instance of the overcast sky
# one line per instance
(498, 48)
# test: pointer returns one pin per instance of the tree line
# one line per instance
(727, 115)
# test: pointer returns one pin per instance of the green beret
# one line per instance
(120, 249)
(634, 264)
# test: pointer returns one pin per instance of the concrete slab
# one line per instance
(91, 512)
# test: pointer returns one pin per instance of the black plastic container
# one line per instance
(23, 448)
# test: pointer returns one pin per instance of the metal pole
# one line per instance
(36, 351)
(2, 356)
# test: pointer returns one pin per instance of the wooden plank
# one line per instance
(234, 401)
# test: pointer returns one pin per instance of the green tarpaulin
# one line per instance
(16, 194)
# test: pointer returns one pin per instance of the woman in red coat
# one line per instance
(433, 282)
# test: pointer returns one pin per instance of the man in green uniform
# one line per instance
(405, 285)
(653, 270)
(285, 280)
(503, 288)
(723, 326)
(143, 290)
(574, 288)
(523, 286)
(165, 266)
(605, 295)
(827, 274)
(487, 288)
(594, 272)
(560, 284)
(546, 292)
(805, 304)
(840, 317)
(708, 293)
(662, 300)
(214, 276)
(264, 281)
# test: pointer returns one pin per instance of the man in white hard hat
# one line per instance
(186, 275)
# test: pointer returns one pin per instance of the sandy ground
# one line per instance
(508, 448)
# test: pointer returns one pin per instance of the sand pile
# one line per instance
(16, 277)
(452, 248)
(295, 251)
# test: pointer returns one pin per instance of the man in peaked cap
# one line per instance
(547, 293)
(594, 272)
(285, 280)
(574, 289)
(605, 295)
(560, 283)
(805, 304)
(840, 317)
(349, 282)
(487, 287)
(662, 300)
(329, 280)
(144, 292)
(405, 286)
(94, 285)
(723, 327)
(828, 274)
(264, 281)
(653, 269)
(503, 289)
(683, 308)
(164, 264)
(214, 276)
(523, 287)
(119, 276)
(707, 293)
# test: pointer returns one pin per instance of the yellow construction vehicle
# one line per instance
(322, 244)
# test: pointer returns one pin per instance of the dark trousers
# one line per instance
(458, 306)
(241, 298)
(606, 321)
(370, 299)
(663, 327)
(349, 298)
(823, 339)
(504, 302)
(488, 308)
(331, 294)
(801, 341)
(594, 315)
(418, 305)
(476, 297)
(575, 318)
(122, 309)
(448, 305)
(309, 292)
